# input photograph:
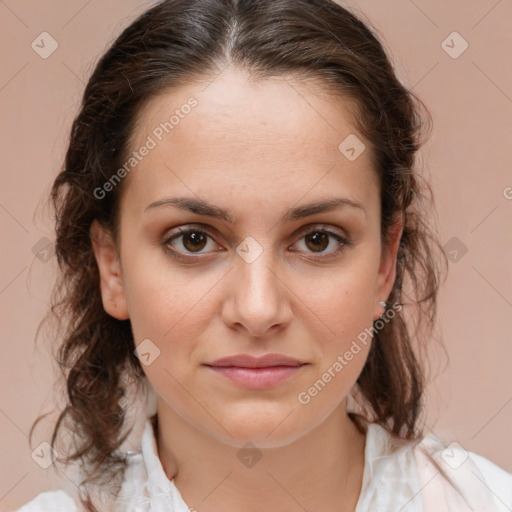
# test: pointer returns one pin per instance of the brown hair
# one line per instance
(171, 44)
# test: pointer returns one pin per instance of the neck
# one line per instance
(322, 470)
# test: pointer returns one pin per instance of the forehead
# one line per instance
(277, 137)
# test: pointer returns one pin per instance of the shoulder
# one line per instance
(496, 478)
(50, 501)
(461, 477)
(429, 475)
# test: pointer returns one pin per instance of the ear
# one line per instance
(109, 265)
(387, 269)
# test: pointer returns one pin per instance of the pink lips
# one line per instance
(256, 372)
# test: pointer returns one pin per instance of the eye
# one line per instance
(317, 240)
(185, 241)
(193, 240)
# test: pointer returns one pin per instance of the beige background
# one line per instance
(469, 158)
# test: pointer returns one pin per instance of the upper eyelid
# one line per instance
(180, 230)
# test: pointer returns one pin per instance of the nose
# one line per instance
(258, 299)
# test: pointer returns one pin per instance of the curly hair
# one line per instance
(172, 44)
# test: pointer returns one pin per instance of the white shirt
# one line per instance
(398, 476)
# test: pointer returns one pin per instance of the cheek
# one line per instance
(344, 340)
(172, 311)
(346, 304)
(159, 297)
(343, 344)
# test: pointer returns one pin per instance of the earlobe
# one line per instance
(111, 280)
(387, 270)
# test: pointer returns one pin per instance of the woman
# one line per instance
(237, 217)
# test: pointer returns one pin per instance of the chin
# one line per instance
(265, 429)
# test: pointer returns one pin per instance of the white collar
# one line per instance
(391, 480)
(147, 487)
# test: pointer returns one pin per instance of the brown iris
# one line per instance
(318, 238)
(194, 240)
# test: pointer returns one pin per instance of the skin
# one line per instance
(256, 148)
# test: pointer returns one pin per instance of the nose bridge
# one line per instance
(257, 270)
(258, 299)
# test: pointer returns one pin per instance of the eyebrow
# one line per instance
(202, 207)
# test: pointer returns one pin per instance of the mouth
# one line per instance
(256, 373)
(248, 361)
(257, 378)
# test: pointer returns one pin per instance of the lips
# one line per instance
(256, 373)
(248, 361)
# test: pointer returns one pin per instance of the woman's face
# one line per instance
(258, 272)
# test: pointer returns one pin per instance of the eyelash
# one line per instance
(344, 243)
